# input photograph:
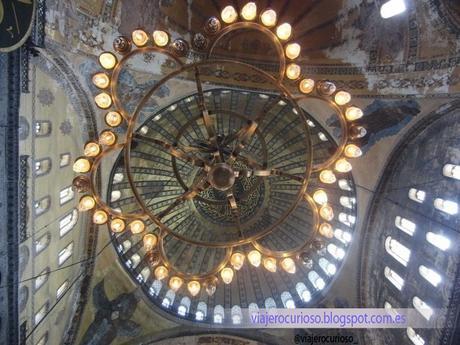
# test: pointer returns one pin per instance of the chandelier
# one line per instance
(242, 171)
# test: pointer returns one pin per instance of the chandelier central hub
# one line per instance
(221, 176)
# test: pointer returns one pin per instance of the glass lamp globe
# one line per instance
(86, 203)
(270, 264)
(229, 14)
(292, 51)
(288, 265)
(326, 212)
(352, 151)
(107, 60)
(140, 38)
(293, 71)
(342, 97)
(150, 241)
(117, 225)
(137, 226)
(161, 272)
(327, 176)
(227, 275)
(342, 165)
(353, 113)
(255, 258)
(268, 18)
(101, 80)
(103, 100)
(284, 31)
(161, 38)
(249, 11)
(237, 260)
(92, 149)
(81, 165)
(193, 288)
(325, 229)
(113, 118)
(175, 283)
(107, 138)
(100, 217)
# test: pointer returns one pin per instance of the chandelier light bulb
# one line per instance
(150, 241)
(353, 113)
(254, 258)
(107, 138)
(293, 71)
(194, 288)
(100, 217)
(81, 165)
(325, 230)
(284, 31)
(352, 151)
(342, 165)
(101, 80)
(249, 11)
(306, 85)
(92, 149)
(292, 51)
(161, 272)
(107, 60)
(237, 260)
(86, 203)
(268, 18)
(137, 226)
(270, 264)
(320, 197)
(229, 14)
(342, 97)
(175, 283)
(327, 176)
(288, 265)
(113, 118)
(227, 275)
(358, 132)
(117, 225)
(140, 38)
(103, 100)
(161, 38)
(326, 212)
(211, 286)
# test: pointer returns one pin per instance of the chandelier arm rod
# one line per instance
(175, 151)
(267, 173)
(235, 212)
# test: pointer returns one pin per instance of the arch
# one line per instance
(347, 202)
(253, 308)
(42, 243)
(270, 303)
(329, 268)
(115, 195)
(424, 309)
(65, 254)
(414, 337)
(40, 314)
(447, 206)
(68, 222)
(201, 311)
(438, 240)
(143, 275)
(65, 195)
(62, 289)
(397, 250)
(237, 315)
(64, 160)
(287, 300)
(118, 177)
(347, 219)
(344, 185)
(41, 278)
(218, 314)
(337, 252)
(452, 171)
(430, 275)
(42, 128)
(342, 236)
(168, 300)
(303, 292)
(42, 166)
(394, 278)
(156, 287)
(184, 306)
(405, 225)
(317, 282)
(417, 195)
(42, 205)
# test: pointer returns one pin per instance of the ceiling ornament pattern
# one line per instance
(226, 179)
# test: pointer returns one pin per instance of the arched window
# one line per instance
(134, 260)
(65, 253)
(417, 195)
(347, 219)
(68, 222)
(64, 160)
(201, 311)
(430, 275)
(398, 251)
(287, 300)
(237, 316)
(394, 278)
(316, 280)
(143, 275)
(344, 185)
(42, 242)
(337, 252)
(446, 206)
(168, 300)
(144, 130)
(303, 292)
(184, 306)
(342, 236)
(270, 303)
(41, 313)
(118, 177)
(347, 202)
(405, 225)
(328, 267)
(65, 195)
(42, 128)
(42, 205)
(414, 337)
(125, 246)
(424, 309)
(253, 308)
(115, 195)
(452, 171)
(41, 279)
(155, 288)
(218, 314)
(311, 123)
(42, 167)
(62, 289)
(438, 240)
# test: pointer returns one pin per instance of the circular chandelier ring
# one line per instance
(118, 68)
(129, 137)
(252, 26)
